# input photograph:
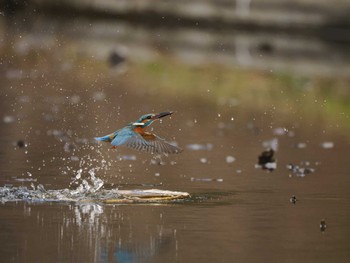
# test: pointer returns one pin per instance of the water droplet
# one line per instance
(203, 160)
(78, 176)
(327, 145)
(271, 144)
(301, 145)
(75, 99)
(99, 96)
(230, 159)
(8, 119)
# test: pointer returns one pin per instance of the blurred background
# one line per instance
(244, 76)
(231, 48)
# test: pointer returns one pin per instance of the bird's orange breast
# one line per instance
(139, 130)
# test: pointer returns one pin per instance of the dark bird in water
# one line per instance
(293, 199)
(323, 225)
(134, 136)
(266, 160)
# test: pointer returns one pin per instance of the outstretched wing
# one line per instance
(122, 136)
(151, 143)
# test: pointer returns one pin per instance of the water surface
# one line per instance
(54, 100)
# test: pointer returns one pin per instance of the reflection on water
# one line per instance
(92, 232)
(247, 222)
(56, 95)
(122, 242)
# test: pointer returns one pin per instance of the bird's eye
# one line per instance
(149, 117)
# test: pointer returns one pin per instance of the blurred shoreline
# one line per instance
(306, 49)
(304, 16)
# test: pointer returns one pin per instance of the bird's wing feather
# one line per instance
(150, 142)
(123, 136)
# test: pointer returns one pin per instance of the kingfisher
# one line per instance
(134, 136)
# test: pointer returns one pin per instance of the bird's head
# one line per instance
(147, 119)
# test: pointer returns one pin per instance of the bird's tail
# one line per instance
(107, 138)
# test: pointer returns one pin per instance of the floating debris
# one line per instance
(230, 159)
(193, 179)
(323, 225)
(200, 147)
(21, 144)
(266, 160)
(299, 171)
(327, 145)
(293, 200)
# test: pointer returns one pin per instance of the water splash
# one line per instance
(85, 187)
(86, 193)
(86, 164)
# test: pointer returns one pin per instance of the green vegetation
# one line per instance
(311, 97)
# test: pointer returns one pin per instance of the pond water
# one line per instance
(55, 100)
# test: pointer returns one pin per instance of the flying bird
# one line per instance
(134, 136)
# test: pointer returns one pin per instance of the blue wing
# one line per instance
(148, 142)
(123, 136)
(106, 138)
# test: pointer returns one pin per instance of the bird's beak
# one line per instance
(162, 114)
